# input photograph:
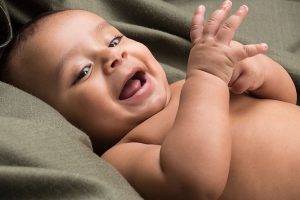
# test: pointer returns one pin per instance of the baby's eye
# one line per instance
(85, 70)
(115, 41)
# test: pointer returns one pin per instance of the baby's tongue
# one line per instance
(130, 88)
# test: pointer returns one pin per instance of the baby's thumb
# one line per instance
(251, 50)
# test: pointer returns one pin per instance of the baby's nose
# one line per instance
(116, 60)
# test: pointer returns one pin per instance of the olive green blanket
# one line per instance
(42, 156)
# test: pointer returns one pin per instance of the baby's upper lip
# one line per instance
(133, 71)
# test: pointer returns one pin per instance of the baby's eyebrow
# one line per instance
(103, 24)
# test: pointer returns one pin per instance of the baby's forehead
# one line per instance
(58, 22)
(62, 29)
(73, 15)
(69, 22)
(65, 24)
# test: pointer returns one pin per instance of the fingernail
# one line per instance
(264, 46)
(201, 8)
(244, 7)
(226, 4)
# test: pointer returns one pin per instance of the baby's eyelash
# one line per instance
(117, 39)
(83, 72)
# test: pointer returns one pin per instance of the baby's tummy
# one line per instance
(265, 161)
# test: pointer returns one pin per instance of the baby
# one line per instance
(229, 131)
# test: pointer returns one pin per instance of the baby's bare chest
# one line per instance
(265, 146)
(265, 161)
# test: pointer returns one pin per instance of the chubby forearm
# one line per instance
(277, 84)
(196, 155)
(198, 149)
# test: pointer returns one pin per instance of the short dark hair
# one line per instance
(25, 32)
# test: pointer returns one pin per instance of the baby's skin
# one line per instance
(229, 131)
(209, 143)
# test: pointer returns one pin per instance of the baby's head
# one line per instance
(101, 81)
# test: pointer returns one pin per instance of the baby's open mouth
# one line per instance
(134, 84)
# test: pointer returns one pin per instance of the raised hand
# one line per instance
(211, 51)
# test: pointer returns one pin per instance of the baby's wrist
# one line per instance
(199, 75)
(224, 77)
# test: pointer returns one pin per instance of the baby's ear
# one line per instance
(6, 29)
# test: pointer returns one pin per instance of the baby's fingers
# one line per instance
(229, 27)
(197, 24)
(249, 50)
(213, 24)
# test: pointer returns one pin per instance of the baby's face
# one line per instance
(100, 80)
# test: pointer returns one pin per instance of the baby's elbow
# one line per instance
(290, 92)
(292, 96)
(285, 93)
(295, 100)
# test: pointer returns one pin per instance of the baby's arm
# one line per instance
(193, 161)
(262, 77)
